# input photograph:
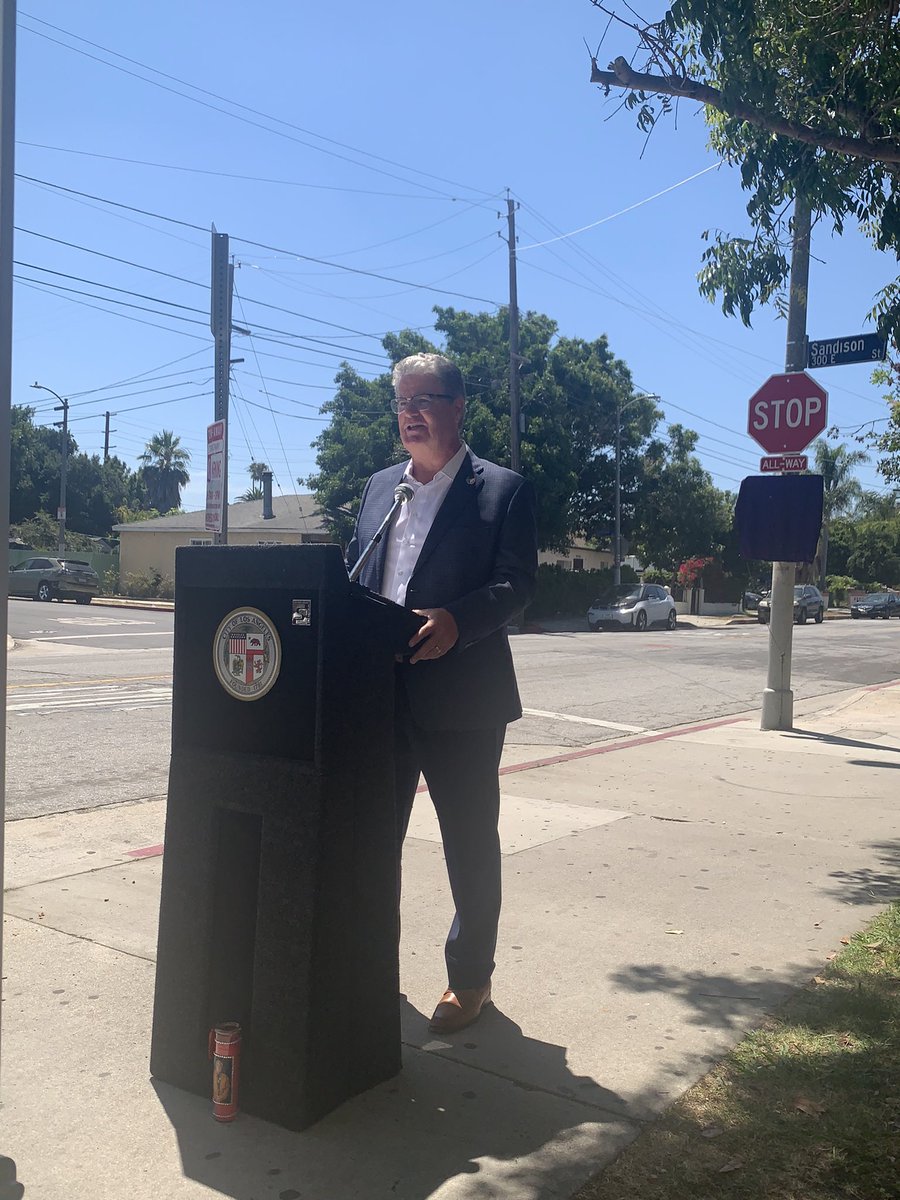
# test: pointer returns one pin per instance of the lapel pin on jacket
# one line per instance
(471, 481)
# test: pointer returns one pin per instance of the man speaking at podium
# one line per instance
(462, 552)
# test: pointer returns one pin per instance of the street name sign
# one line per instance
(838, 352)
(787, 412)
(215, 475)
(784, 462)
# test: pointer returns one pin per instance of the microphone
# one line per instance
(403, 493)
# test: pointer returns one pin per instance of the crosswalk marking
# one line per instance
(89, 696)
(555, 716)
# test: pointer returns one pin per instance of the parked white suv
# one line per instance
(632, 606)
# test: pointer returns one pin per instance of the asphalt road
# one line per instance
(89, 695)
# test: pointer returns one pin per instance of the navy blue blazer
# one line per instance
(479, 562)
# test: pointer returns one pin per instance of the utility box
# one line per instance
(279, 886)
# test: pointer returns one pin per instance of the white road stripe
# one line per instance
(93, 697)
(537, 712)
(128, 704)
(69, 637)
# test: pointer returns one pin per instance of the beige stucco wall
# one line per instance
(145, 551)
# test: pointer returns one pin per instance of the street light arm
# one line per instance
(43, 388)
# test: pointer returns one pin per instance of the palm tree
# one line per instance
(256, 471)
(878, 506)
(164, 465)
(842, 490)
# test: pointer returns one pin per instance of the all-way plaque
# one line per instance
(783, 462)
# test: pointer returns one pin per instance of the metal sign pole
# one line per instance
(778, 698)
(9, 1189)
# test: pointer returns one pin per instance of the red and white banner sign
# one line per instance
(215, 476)
(784, 462)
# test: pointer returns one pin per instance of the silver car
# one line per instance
(45, 578)
(632, 606)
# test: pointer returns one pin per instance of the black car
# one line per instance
(808, 602)
(877, 604)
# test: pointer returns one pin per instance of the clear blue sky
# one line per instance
(381, 139)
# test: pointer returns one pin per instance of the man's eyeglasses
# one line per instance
(422, 403)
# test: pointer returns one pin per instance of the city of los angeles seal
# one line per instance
(247, 654)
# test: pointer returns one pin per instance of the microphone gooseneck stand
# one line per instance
(403, 493)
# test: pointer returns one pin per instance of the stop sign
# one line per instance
(787, 412)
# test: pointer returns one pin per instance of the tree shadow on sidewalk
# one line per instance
(834, 739)
(440, 1119)
(867, 885)
(803, 1108)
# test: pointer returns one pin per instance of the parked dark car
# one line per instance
(808, 602)
(750, 601)
(877, 604)
(54, 579)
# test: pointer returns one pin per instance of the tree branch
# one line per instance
(621, 75)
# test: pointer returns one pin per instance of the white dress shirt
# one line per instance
(407, 535)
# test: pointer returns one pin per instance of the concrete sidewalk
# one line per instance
(662, 893)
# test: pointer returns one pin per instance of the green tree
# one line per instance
(875, 558)
(679, 513)
(886, 443)
(569, 389)
(35, 458)
(164, 470)
(842, 490)
(877, 506)
(96, 490)
(802, 97)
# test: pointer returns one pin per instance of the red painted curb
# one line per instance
(608, 748)
(146, 852)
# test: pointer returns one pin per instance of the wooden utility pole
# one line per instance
(106, 439)
(515, 408)
(778, 698)
(221, 291)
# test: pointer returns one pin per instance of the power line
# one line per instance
(260, 245)
(141, 374)
(111, 257)
(325, 187)
(181, 279)
(155, 404)
(265, 390)
(243, 107)
(621, 213)
(362, 356)
(55, 289)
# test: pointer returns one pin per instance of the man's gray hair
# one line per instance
(446, 372)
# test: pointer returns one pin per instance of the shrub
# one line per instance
(569, 593)
(655, 575)
(109, 581)
(838, 587)
(145, 585)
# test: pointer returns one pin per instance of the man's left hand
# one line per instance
(438, 635)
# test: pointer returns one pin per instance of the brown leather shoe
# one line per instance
(459, 1007)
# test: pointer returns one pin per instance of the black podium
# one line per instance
(279, 878)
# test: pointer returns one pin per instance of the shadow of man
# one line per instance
(489, 1104)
